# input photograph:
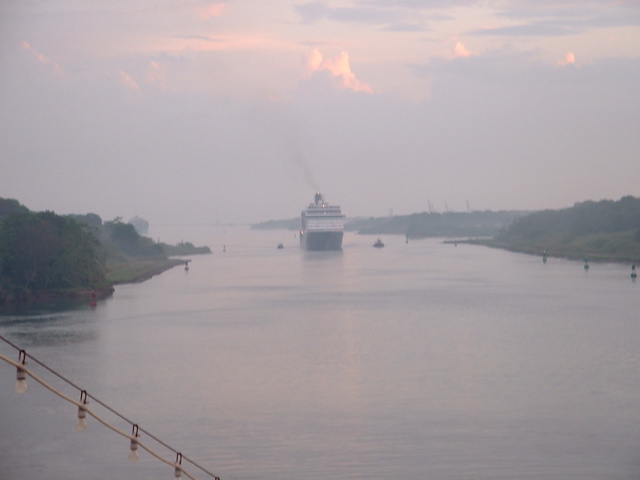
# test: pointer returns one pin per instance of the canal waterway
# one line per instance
(413, 361)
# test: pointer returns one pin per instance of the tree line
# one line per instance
(419, 225)
(585, 218)
(46, 252)
(606, 229)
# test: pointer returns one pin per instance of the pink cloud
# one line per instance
(314, 62)
(216, 43)
(129, 82)
(211, 11)
(339, 68)
(42, 59)
(459, 50)
(156, 75)
(569, 59)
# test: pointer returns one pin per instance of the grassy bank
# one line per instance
(138, 269)
(619, 247)
(9, 299)
(606, 231)
(123, 270)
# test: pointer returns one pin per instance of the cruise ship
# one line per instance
(322, 226)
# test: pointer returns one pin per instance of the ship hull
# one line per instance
(321, 226)
(322, 240)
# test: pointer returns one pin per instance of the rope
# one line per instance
(97, 417)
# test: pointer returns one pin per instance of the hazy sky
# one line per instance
(190, 111)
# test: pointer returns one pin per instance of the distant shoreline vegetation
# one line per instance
(605, 230)
(602, 231)
(419, 225)
(45, 256)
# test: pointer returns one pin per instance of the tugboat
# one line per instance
(378, 243)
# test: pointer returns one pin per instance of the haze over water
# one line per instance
(419, 360)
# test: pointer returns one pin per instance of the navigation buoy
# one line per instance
(186, 266)
(633, 272)
(93, 299)
(544, 256)
(586, 263)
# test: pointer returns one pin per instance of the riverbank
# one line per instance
(130, 270)
(604, 231)
(10, 299)
(135, 270)
(620, 251)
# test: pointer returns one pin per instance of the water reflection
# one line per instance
(50, 324)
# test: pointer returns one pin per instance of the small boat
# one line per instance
(378, 243)
(280, 245)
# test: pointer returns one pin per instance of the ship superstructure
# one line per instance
(322, 226)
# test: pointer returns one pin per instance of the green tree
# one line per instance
(126, 239)
(47, 251)
(9, 206)
(91, 219)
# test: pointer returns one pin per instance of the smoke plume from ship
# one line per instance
(306, 170)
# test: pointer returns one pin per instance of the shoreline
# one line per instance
(135, 271)
(595, 257)
(138, 271)
(43, 297)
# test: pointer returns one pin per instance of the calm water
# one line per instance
(418, 361)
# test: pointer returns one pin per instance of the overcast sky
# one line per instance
(199, 112)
